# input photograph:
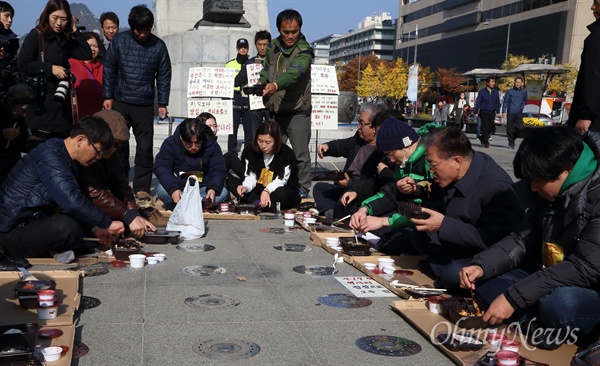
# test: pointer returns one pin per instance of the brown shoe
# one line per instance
(157, 219)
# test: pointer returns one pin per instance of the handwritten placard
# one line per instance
(324, 112)
(214, 82)
(324, 80)
(221, 109)
(364, 287)
(253, 70)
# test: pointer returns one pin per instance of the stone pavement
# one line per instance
(143, 318)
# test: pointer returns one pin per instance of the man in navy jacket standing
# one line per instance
(514, 102)
(135, 60)
(486, 107)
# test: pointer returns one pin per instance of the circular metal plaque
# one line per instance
(195, 247)
(88, 302)
(227, 349)
(292, 247)
(344, 301)
(90, 271)
(204, 270)
(388, 345)
(314, 270)
(79, 350)
(209, 301)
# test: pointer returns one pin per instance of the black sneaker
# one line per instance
(303, 192)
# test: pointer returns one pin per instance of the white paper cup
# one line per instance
(289, 216)
(46, 303)
(385, 262)
(310, 220)
(137, 260)
(52, 353)
(388, 270)
(370, 266)
(510, 345)
(48, 312)
(160, 256)
(289, 223)
(152, 260)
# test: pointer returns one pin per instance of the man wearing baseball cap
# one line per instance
(106, 184)
(240, 104)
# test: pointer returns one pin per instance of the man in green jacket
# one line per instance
(287, 94)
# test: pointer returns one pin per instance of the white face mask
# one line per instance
(404, 160)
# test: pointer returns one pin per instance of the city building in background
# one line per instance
(322, 47)
(374, 36)
(469, 34)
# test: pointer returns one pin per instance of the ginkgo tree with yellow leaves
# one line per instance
(388, 80)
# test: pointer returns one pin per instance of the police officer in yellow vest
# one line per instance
(240, 103)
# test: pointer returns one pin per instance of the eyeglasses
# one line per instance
(98, 153)
(390, 153)
(434, 166)
(361, 124)
(191, 144)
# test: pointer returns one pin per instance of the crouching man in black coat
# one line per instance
(562, 298)
(42, 209)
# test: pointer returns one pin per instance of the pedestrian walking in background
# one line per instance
(487, 107)
(514, 102)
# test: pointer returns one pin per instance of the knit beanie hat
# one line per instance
(395, 134)
(116, 122)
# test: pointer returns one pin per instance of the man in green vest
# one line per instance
(286, 76)
(240, 104)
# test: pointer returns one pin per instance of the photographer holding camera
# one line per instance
(44, 62)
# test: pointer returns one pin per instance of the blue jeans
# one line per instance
(564, 312)
(170, 205)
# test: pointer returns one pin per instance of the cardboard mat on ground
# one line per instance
(229, 216)
(66, 339)
(409, 265)
(67, 294)
(431, 325)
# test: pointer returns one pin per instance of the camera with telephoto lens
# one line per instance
(62, 90)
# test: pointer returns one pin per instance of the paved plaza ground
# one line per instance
(143, 318)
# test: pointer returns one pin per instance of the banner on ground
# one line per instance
(213, 82)
(323, 80)
(253, 71)
(221, 109)
(324, 114)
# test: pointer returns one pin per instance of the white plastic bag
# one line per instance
(187, 216)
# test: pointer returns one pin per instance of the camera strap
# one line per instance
(41, 45)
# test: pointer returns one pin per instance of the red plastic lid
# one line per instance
(404, 272)
(50, 333)
(47, 292)
(495, 336)
(65, 349)
(118, 263)
(511, 343)
(507, 355)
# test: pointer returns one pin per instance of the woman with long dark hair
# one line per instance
(271, 172)
(45, 55)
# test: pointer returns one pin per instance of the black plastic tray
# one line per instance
(462, 342)
(24, 288)
(411, 210)
(23, 343)
(162, 237)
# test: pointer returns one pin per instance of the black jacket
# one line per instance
(586, 98)
(365, 186)
(48, 115)
(42, 182)
(480, 210)
(132, 69)
(173, 158)
(573, 223)
(9, 156)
